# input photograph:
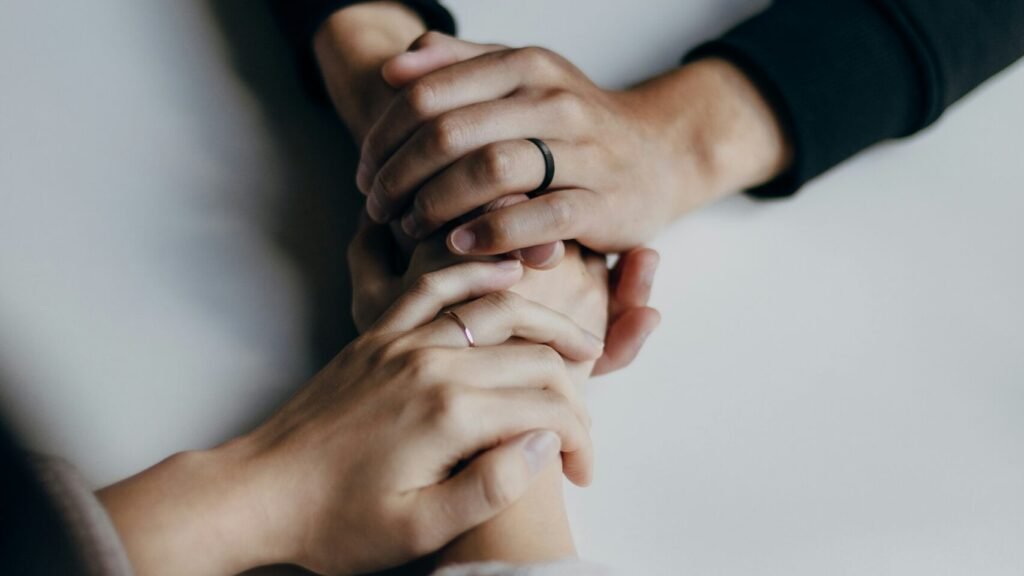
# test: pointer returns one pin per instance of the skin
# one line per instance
(442, 130)
(352, 48)
(358, 471)
(535, 528)
(268, 497)
(627, 162)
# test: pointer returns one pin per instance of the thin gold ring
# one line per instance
(465, 329)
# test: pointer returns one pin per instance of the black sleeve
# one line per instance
(846, 74)
(300, 19)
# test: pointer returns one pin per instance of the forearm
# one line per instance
(350, 48)
(194, 513)
(534, 530)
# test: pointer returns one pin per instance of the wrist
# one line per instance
(196, 513)
(534, 530)
(350, 48)
(722, 131)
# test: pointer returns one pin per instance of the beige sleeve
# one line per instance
(562, 568)
(91, 530)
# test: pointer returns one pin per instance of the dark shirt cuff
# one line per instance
(839, 75)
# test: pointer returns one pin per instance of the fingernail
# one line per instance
(463, 240)
(363, 176)
(411, 226)
(510, 264)
(540, 449)
(539, 255)
(376, 210)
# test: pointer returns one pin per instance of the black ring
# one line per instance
(549, 165)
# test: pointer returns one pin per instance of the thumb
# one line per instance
(492, 482)
(431, 51)
(626, 336)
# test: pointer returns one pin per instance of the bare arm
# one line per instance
(536, 528)
(351, 46)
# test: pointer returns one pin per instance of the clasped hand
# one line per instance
(454, 140)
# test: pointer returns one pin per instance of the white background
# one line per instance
(837, 387)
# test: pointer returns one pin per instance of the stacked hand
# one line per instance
(376, 285)
(627, 163)
(358, 472)
(454, 140)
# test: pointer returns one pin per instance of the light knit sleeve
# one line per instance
(92, 532)
(561, 568)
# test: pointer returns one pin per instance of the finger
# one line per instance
(513, 365)
(430, 52)
(432, 292)
(493, 75)
(491, 172)
(636, 277)
(481, 418)
(563, 215)
(440, 142)
(492, 482)
(499, 316)
(518, 365)
(543, 257)
(626, 336)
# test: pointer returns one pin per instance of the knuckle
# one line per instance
(561, 212)
(382, 352)
(444, 406)
(386, 182)
(496, 164)
(427, 206)
(426, 286)
(497, 488)
(560, 405)
(429, 38)
(498, 231)
(446, 135)
(423, 365)
(505, 302)
(568, 106)
(537, 57)
(543, 63)
(421, 99)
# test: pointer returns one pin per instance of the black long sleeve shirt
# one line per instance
(841, 75)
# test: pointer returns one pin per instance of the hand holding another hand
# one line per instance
(626, 162)
(407, 439)
(624, 290)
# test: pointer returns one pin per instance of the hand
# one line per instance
(376, 283)
(627, 163)
(358, 471)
